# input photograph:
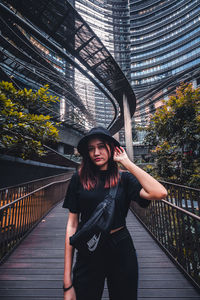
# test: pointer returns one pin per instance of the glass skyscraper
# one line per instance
(165, 49)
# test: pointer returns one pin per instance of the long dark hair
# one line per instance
(89, 172)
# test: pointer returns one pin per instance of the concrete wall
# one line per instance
(12, 172)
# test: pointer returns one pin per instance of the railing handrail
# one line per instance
(32, 181)
(35, 191)
(65, 180)
(181, 209)
(179, 185)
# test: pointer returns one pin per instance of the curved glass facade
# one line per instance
(165, 39)
(110, 21)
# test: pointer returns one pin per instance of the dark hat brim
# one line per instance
(82, 146)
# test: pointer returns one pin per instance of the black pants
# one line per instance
(117, 262)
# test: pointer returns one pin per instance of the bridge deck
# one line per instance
(35, 269)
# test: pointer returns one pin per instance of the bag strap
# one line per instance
(113, 190)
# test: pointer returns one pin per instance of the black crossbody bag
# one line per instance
(88, 240)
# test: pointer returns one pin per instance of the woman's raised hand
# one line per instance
(70, 294)
(120, 155)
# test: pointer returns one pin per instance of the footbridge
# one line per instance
(166, 238)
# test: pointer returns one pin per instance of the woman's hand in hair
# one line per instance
(152, 189)
(120, 155)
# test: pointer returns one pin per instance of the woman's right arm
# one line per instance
(71, 228)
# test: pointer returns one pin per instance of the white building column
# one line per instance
(128, 128)
(194, 83)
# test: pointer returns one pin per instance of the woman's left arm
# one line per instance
(152, 189)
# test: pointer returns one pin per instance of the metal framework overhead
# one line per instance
(61, 24)
(22, 62)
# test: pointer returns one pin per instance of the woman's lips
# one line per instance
(97, 159)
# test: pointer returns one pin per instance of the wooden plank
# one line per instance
(173, 293)
(34, 260)
(31, 265)
(53, 271)
(49, 292)
(59, 270)
(21, 284)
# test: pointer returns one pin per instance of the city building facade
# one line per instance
(155, 42)
(165, 50)
(111, 23)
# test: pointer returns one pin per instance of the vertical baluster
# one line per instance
(2, 199)
(158, 218)
(3, 231)
(32, 208)
(175, 227)
(23, 216)
(11, 225)
(25, 209)
(198, 201)
(38, 204)
(184, 197)
(192, 199)
(170, 233)
(7, 246)
(15, 218)
(196, 248)
(1, 234)
(166, 225)
(175, 194)
(18, 220)
(151, 217)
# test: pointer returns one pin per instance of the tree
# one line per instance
(22, 129)
(174, 134)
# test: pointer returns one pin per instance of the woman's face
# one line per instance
(99, 153)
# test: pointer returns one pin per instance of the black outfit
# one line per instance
(117, 261)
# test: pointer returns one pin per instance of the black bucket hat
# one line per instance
(100, 132)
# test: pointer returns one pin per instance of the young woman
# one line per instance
(117, 260)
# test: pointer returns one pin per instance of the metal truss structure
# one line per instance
(57, 24)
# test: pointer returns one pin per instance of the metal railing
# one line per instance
(175, 224)
(23, 206)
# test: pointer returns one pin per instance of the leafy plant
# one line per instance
(22, 128)
(174, 134)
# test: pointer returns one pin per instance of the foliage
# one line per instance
(22, 128)
(174, 134)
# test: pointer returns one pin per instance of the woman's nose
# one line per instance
(96, 151)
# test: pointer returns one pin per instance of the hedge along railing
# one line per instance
(25, 205)
(175, 225)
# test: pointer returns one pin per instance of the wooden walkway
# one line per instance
(35, 269)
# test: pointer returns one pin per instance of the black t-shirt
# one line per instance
(78, 200)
